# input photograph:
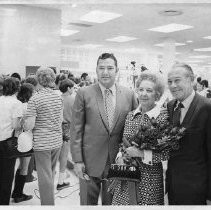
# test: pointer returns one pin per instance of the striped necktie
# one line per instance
(177, 114)
(109, 107)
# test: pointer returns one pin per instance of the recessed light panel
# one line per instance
(171, 28)
(121, 39)
(206, 49)
(189, 41)
(98, 16)
(176, 44)
(67, 32)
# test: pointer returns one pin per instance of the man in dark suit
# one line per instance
(99, 114)
(189, 168)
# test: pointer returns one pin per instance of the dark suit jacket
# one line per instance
(189, 168)
(93, 142)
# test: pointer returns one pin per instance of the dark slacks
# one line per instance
(186, 199)
(7, 167)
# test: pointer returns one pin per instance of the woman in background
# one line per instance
(24, 94)
(44, 118)
(67, 88)
(10, 117)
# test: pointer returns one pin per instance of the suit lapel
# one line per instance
(171, 106)
(190, 111)
(100, 103)
(117, 108)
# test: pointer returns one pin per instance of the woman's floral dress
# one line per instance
(150, 189)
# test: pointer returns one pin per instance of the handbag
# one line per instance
(124, 172)
(9, 148)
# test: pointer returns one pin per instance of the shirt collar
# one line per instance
(151, 113)
(112, 88)
(186, 103)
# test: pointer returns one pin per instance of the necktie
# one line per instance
(177, 114)
(109, 107)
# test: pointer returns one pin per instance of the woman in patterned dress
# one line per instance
(149, 190)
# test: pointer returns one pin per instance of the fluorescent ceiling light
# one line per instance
(206, 49)
(207, 37)
(98, 16)
(200, 56)
(176, 44)
(171, 28)
(67, 32)
(121, 39)
(189, 41)
(90, 46)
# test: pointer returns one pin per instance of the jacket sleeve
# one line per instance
(78, 126)
(208, 151)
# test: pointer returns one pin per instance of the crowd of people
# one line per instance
(68, 115)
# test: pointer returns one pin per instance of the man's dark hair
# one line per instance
(63, 87)
(60, 77)
(10, 86)
(16, 75)
(198, 79)
(25, 92)
(204, 83)
(84, 75)
(107, 55)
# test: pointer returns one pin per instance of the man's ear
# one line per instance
(117, 69)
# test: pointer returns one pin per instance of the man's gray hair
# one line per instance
(187, 68)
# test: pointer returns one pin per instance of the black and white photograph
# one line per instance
(105, 103)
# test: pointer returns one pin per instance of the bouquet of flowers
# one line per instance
(154, 136)
(157, 137)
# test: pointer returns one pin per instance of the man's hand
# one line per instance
(79, 169)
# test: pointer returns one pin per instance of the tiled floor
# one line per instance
(68, 196)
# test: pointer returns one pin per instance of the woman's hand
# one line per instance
(135, 152)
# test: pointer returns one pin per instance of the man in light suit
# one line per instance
(189, 168)
(99, 114)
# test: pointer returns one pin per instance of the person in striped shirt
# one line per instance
(44, 118)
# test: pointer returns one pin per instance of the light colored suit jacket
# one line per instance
(93, 142)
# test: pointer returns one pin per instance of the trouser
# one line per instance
(186, 198)
(7, 167)
(90, 190)
(45, 165)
